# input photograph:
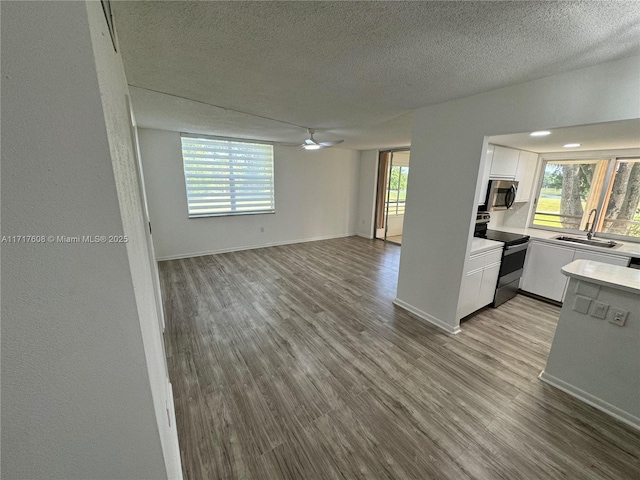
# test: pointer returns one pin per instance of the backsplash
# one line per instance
(515, 217)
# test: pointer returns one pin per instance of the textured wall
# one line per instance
(76, 397)
(446, 147)
(367, 188)
(316, 197)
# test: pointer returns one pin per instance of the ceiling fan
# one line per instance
(312, 144)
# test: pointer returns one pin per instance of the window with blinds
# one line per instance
(227, 177)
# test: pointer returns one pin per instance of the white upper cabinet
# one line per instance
(485, 175)
(511, 164)
(505, 162)
(525, 175)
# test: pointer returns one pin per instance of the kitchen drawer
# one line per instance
(483, 259)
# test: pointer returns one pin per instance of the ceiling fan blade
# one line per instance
(331, 144)
(310, 141)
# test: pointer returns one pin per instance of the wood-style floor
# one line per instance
(397, 239)
(291, 362)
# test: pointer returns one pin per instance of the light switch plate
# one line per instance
(618, 316)
(581, 304)
(600, 310)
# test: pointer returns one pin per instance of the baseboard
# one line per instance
(592, 400)
(538, 297)
(363, 235)
(427, 317)
(250, 247)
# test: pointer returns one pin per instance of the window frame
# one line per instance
(610, 156)
(229, 139)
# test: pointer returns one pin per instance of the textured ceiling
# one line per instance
(351, 70)
(598, 136)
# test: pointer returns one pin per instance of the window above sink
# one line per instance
(570, 188)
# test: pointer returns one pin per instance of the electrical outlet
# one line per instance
(618, 316)
(600, 310)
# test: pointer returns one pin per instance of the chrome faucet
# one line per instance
(589, 229)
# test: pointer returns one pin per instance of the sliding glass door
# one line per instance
(392, 195)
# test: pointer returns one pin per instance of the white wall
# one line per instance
(401, 158)
(114, 90)
(595, 360)
(448, 142)
(76, 395)
(367, 188)
(316, 197)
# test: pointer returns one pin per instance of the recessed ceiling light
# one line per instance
(571, 145)
(540, 133)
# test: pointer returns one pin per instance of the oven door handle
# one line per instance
(515, 248)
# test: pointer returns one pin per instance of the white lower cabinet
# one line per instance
(479, 284)
(469, 291)
(542, 275)
(601, 257)
(488, 285)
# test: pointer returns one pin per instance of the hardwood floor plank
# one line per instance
(292, 362)
(229, 459)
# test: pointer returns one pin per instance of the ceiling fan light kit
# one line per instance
(312, 144)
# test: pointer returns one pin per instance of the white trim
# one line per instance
(251, 247)
(427, 317)
(592, 400)
(591, 154)
(173, 462)
(364, 235)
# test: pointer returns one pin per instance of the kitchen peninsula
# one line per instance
(595, 355)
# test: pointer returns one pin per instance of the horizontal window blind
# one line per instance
(227, 177)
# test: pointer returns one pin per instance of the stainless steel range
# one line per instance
(513, 255)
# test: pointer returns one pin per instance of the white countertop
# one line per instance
(622, 278)
(479, 245)
(626, 249)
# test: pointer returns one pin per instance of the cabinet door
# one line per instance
(525, 174)
(484, 181)
(505, 162)
(601, 257)
(542, 274)
(469, 290)
(488, 286)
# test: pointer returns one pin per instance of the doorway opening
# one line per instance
(393, 174)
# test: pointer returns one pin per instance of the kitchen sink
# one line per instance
(586, 241)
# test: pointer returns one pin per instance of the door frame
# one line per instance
(388, 186)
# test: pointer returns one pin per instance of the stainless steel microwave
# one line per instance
(501, 194)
